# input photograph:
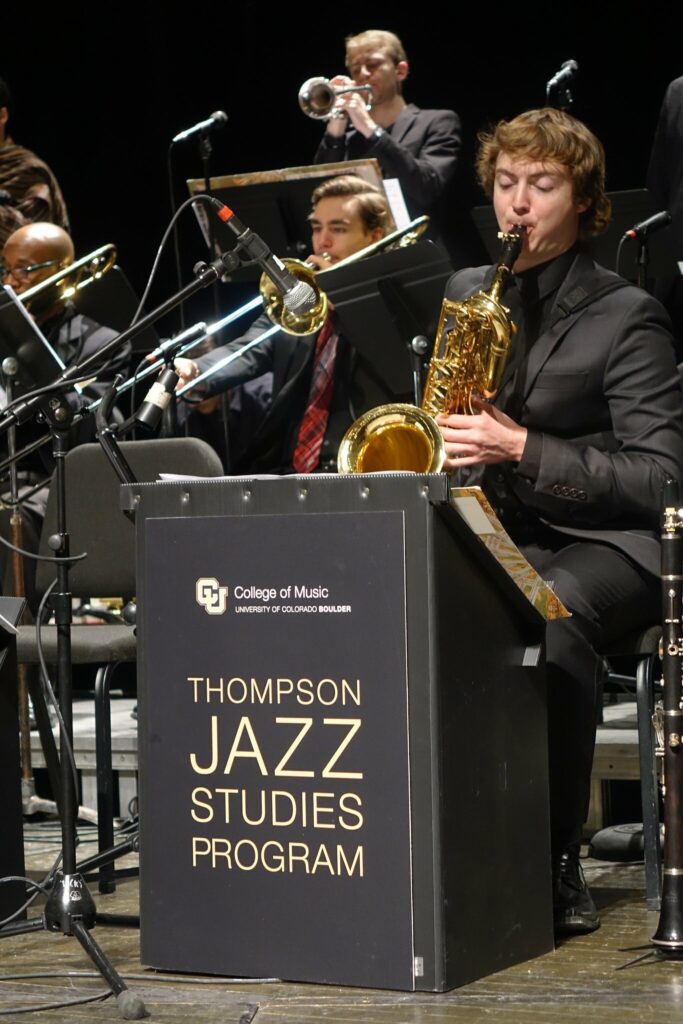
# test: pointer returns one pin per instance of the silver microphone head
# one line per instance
(300, 298)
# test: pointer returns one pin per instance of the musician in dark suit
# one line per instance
(575, 449)
(31, 255)
(419, 147)
(665, 182)
(320, 383)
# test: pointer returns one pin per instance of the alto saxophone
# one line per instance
(472, 345)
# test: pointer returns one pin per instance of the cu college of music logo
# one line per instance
(211, 596)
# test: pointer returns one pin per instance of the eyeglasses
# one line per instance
(22, 273)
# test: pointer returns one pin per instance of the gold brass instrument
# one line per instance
(317, 98)
(311, 321)
(471, 348)
(76, 276)
(273, 304)
(399, 239)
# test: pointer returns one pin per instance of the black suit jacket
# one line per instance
(665, 171)
(290, 360)
(600, 395)
(421, 150)
(665, 182)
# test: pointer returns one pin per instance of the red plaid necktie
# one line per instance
(314, 424)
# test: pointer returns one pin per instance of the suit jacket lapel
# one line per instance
(293, 355)
(582, 274)
(404, 122)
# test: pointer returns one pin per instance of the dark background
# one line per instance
(99, 92)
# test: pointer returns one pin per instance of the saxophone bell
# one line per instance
(471, 350)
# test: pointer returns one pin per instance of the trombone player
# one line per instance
(33, 254)
(319, 382)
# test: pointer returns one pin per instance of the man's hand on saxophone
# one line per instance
(487, 437)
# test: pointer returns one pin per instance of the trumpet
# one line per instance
(76, 276)
(317, 98)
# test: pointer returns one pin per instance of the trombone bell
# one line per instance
(274, 307)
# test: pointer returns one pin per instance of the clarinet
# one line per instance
(668, 939)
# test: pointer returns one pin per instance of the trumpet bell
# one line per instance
(299, 324)
(317, 98)
(392, 437)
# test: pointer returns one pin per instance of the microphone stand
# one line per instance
(70, 908)
(205, 150)
(31, 802)
(642, 261)
(207, 274)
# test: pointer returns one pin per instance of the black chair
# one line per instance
(97, 526)
(618, 842)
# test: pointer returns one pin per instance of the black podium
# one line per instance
(343, 763)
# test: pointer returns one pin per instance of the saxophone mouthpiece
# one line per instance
(513, 241)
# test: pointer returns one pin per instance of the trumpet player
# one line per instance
(419, 147)
(574, 450)
(317, 380)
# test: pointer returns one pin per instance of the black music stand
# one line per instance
(112, 301)
(628, 208)
(22, 339)
(385, 303)
(276, 205)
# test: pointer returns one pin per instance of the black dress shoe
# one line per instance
(574, 912)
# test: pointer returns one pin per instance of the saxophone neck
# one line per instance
(511, 248)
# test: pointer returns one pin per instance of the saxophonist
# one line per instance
(574, 450)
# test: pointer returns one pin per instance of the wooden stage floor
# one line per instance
(579, 982)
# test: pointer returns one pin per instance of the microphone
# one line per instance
(564, 75)
(297, 296)
(157, 398)
(217, 120)
(646, 227)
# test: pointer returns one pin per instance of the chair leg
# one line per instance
(648, 782)
(105, 773)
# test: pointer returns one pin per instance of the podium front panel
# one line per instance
(343, 756)
(286, 787)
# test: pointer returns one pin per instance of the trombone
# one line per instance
(283, 319)
(73, 278)
(271, 302)
(76, 276)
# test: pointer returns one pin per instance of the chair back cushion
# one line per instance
(94, 520)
